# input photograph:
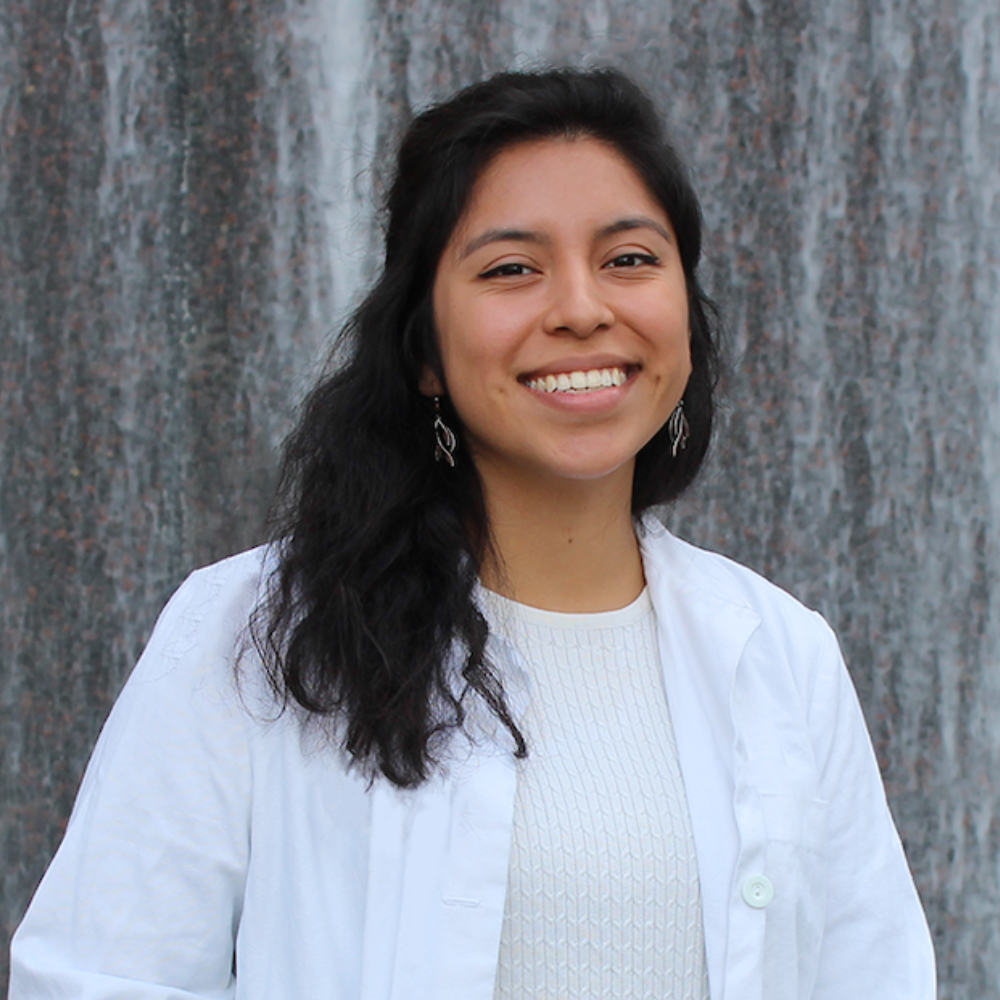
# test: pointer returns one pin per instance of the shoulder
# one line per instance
(778, 662)
(221, 593)
(188, 676)
(210, 611)
(775, 642)
(702, 575)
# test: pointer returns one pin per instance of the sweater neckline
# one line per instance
(505, 609)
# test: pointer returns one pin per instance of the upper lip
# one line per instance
(580, 364)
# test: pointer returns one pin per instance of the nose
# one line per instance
(578, 306)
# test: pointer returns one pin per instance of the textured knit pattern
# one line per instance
(603, 899)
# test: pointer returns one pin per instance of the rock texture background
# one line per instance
(189, 198)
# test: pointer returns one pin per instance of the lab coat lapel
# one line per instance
(702, 636)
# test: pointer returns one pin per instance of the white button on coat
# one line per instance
(758, 891)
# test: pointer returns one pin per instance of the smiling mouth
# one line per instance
(590, 380)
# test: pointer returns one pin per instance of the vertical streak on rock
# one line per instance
(218, 239)
(169, 29)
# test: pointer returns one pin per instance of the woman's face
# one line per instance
(562, 314)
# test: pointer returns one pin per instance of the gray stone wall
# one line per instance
(189, 196)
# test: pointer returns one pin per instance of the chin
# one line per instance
(593, 469)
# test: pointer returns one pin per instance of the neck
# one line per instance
(563, 546)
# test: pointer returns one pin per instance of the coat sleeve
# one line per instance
(143, 898)
(875, 941)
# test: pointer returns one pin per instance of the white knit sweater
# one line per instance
(603, 900)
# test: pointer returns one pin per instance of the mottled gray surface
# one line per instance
(163, 291)
(188, 204)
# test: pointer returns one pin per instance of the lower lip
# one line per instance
(595, 401)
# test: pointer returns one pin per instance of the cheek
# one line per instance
(681, 327)
(479, 347)
(668, 329)
(461, 358)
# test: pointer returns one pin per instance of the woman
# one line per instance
(497, 733)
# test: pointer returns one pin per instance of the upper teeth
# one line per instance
(581, 381)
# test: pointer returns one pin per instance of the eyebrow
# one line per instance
(529, 236)
(635, 222)
(503, 236)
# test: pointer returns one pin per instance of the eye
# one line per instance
(633, 259)
(509, 270)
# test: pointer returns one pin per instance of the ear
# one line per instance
(430, 384)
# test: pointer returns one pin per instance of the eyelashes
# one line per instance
(625, 262)
(633, 259)
(511, 270)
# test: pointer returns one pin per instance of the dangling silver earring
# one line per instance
(444, 437)
(678, 429)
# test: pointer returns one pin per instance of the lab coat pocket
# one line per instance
(796, 830)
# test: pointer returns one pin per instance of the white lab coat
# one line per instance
(207, 823)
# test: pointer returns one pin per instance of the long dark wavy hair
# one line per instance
(370, 622)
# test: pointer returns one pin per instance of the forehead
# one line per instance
(558, 180)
